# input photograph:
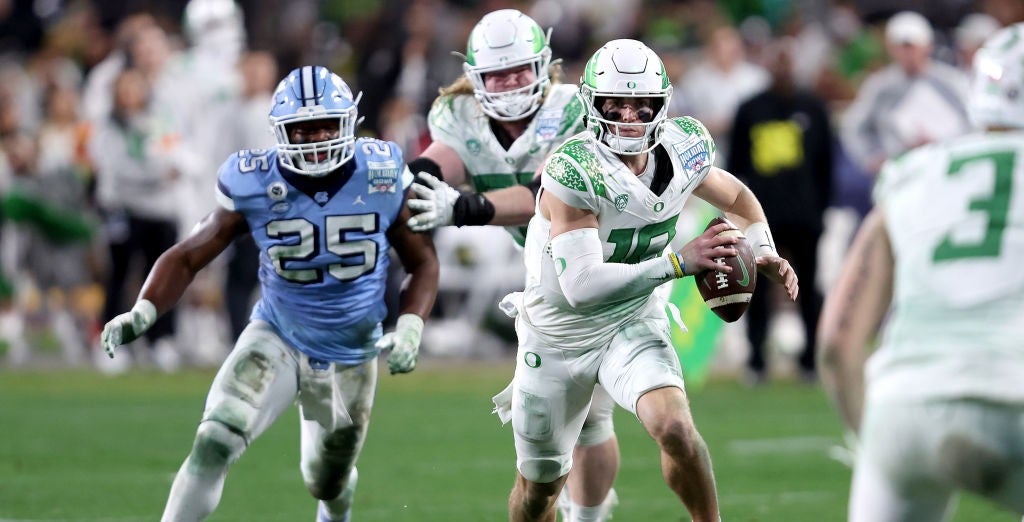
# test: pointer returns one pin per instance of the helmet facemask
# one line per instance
(625, 69)
(305, 158)
(313, 94)
(608, 125)
(507, 39)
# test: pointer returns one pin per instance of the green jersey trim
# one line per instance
(499, 180)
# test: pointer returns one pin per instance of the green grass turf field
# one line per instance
(79, 446)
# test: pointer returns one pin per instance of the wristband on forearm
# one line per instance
(678, 266)
(472, 209)
(760, 237)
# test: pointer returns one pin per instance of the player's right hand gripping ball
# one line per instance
(728, 294)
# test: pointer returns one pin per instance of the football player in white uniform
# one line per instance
(597, 248)
(939, 405)
(492, 128)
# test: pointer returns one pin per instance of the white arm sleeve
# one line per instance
(587, 280)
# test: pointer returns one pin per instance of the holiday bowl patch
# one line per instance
(382, 176)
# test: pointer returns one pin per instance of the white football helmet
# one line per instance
(501, 40)
(997, 88)
(216, 27)
(625, 69)
(314, 93)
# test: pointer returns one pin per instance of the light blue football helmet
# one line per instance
(314, 93)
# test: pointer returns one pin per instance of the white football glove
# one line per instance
(846, 453)
(128, 326)
(404, 343)
(435, 205)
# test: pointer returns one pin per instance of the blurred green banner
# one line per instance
(695, 345)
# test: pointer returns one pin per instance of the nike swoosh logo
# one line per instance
(746, 276)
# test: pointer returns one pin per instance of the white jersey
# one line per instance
(635, 224)
(458, 122)
(955, 218)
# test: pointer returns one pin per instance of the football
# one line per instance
(728, 294)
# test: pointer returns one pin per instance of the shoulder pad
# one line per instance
(383, 161)
(688, 141)
(572, 117)
(243, 174)
(571, 162)
(444, 112)
(373, 149)
(896, 171)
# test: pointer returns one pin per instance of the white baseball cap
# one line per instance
(908, 27)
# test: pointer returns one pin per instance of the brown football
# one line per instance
(728, 294)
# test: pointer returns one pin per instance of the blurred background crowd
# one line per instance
(117, 113)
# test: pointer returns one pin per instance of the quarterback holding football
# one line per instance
(599, 245)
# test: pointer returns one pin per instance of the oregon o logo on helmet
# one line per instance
(631, 85)
(532, 360)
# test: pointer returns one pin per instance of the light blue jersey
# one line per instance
(323, 248)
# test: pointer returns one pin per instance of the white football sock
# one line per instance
(200, 481)
(598, 513)
(586, 514)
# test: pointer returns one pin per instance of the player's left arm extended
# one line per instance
(852, 315)
(740, 205)
(419, 258)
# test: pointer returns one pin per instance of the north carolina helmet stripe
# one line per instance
(308, 86)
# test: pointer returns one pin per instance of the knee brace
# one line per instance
(216, 445)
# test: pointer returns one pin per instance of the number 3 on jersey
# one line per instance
(308, 247)
(994, 207)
